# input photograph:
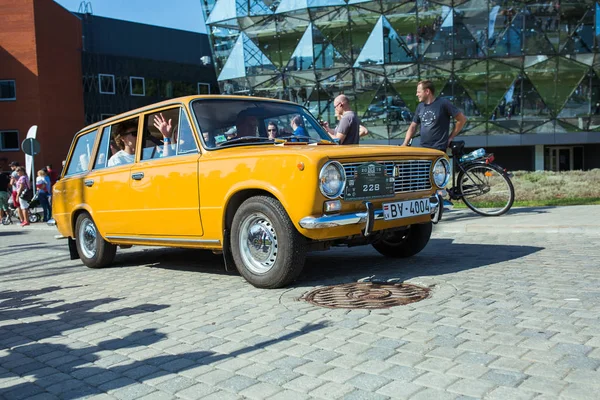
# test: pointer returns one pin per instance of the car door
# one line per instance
(107, 187)
(164, 185)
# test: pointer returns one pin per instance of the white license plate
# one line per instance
(404, 209)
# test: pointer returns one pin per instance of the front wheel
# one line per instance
(267, 249)
(486, 189)
(94, 251)
(403, 244)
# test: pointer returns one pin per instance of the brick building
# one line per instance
(40, 78)
(61, 71)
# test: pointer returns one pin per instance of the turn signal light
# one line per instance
(332, 206)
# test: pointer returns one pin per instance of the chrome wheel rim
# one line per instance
(258, 243)
(87, 238)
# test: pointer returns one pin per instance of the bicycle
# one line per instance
(484, 186)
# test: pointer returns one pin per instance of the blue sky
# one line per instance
(178, 14)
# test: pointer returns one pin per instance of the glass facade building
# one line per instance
(525, 73)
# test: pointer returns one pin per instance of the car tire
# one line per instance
(402, 244)
(94, 251)
(267, 249)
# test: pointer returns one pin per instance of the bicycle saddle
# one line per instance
(457, 146)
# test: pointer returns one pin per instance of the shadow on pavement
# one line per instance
(193, 260)
(441, 256)
(75, 371)
(463, 214)
(10, 233)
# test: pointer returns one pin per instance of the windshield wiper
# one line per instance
(298, 138)
(245, 139)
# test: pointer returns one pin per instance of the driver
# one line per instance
(246, 125)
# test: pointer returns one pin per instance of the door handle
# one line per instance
(89, 182)
(137, 176)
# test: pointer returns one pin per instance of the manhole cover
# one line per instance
(366, 295)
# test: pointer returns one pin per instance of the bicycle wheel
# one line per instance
(486, 189)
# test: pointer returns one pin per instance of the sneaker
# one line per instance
(24, 223)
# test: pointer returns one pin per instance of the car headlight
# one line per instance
(332, 179)
(441, 172)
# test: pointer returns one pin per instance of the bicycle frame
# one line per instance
(457, 153)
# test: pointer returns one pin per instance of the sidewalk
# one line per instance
(571, 219)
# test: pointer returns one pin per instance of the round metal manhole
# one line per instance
(366, 295)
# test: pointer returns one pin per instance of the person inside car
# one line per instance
(126, 140)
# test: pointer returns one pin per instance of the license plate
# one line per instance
(404, 209)
(369, 181)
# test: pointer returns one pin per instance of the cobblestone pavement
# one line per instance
(513, 315)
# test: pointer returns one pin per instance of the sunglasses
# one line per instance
(134, 133)
(271, 130)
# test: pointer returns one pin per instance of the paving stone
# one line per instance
(398, 389)
(504, 378)
(542, 385)
(261, 390)
(435, 380)
(198, 391)
(504, 393)
(579, 391)
(290, 395)
(368, 382)
(358, 394)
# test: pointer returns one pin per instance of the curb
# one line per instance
(492, 228)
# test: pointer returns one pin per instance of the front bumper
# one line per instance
(367, 217)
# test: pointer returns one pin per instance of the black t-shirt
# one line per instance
(434, 119)
(4, 181)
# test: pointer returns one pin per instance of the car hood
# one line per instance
(328, 151)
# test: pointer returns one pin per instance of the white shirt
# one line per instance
(121, 157)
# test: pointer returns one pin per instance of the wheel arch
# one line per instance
(75, 214)
(236, 200)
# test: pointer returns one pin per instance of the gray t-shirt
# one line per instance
(349, 125)
(434, 119)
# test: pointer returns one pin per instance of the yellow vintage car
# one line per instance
(230, 174)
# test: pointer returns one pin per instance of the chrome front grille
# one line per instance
(411, 175)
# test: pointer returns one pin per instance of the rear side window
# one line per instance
(103, 149)
(80, 158)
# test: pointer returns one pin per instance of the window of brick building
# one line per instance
(106, 83)
(8, 90)
(137, 86)
(9, 140)
(203, 88)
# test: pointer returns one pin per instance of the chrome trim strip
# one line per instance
(333, 221)
(165, 240)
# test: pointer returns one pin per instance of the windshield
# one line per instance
(228, 122)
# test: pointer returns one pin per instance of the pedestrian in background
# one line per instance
(23, 184)
(14, 178)
(42, 183)
(4, 186)
(347, 130)
(433, 117)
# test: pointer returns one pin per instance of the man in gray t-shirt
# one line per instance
(347, 130)
(434, 115)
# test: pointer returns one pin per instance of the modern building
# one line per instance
(525, 73)
(61, 71)
(128, 65)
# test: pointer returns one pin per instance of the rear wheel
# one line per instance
(486, 189)
(407, 243)
(94, 251)
(267, 249)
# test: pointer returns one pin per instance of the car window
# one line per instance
(103, 149)
(156, 126)
(122, 146)
(238, 122)
(185, 136)
(80, 158)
